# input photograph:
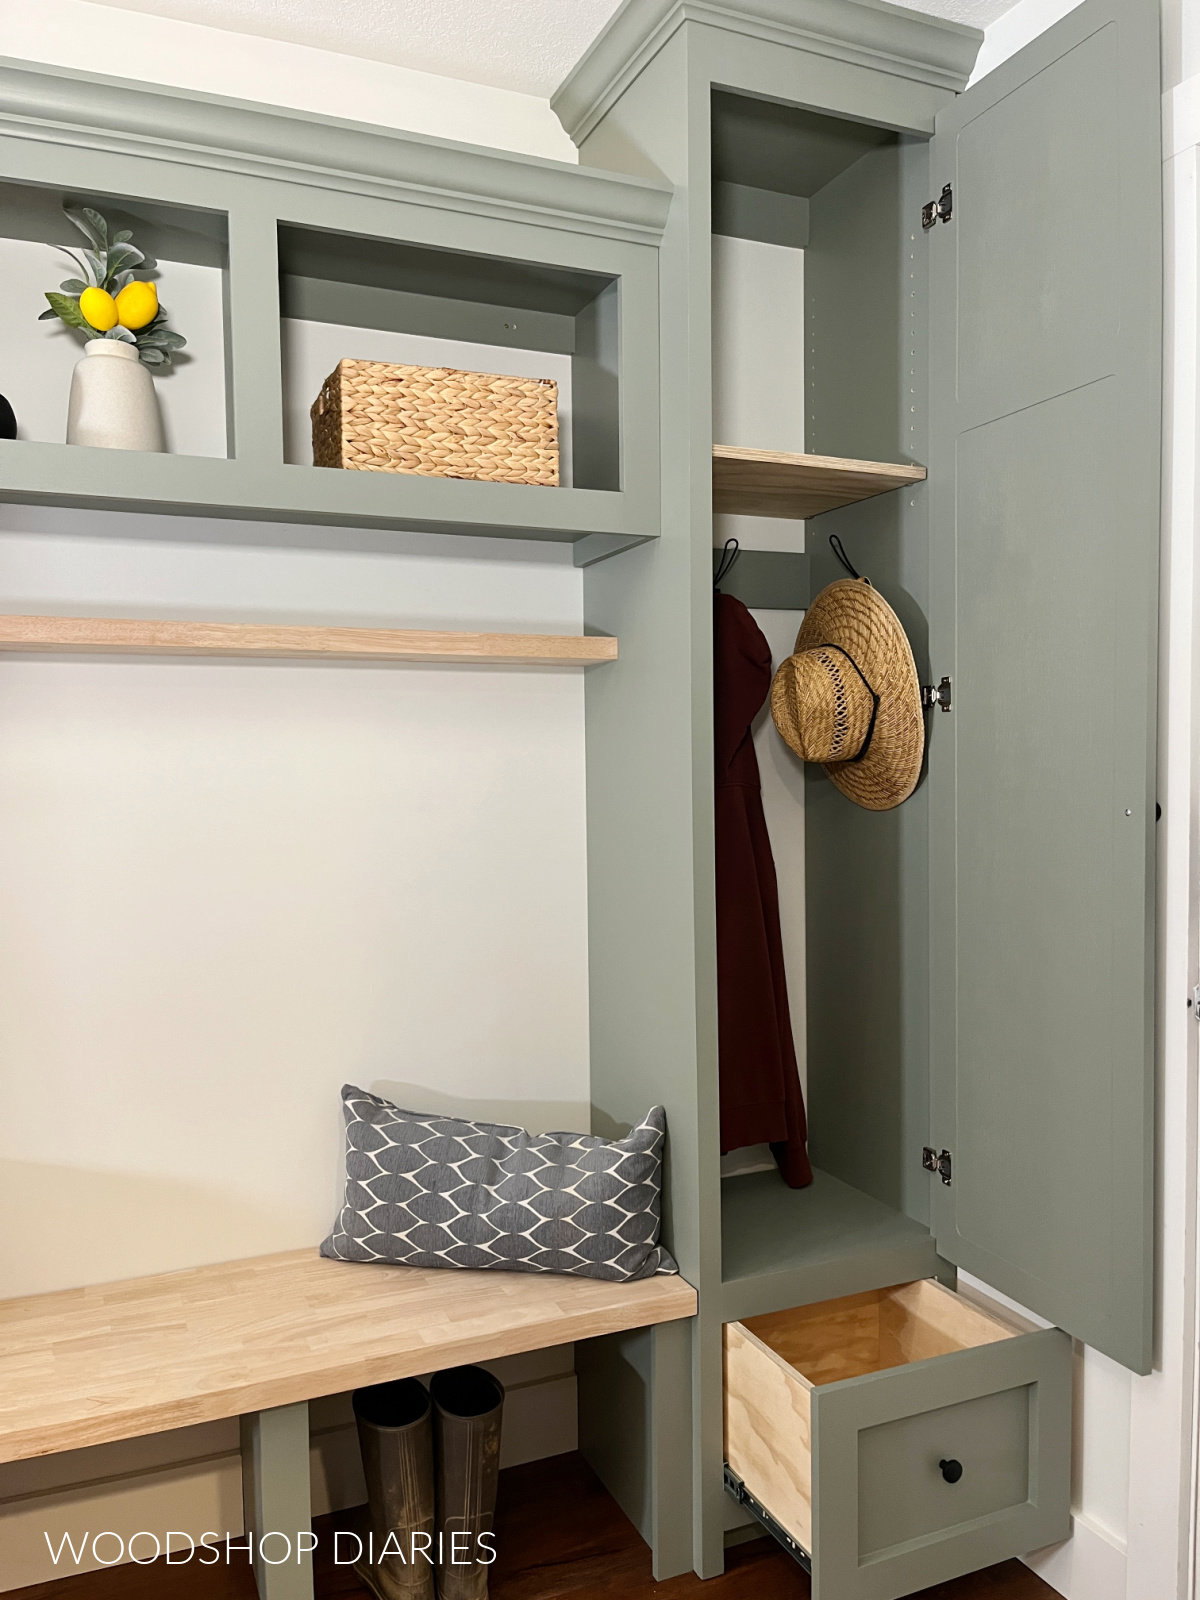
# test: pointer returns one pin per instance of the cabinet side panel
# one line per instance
(867, 872)
(651, 895)
(767, 1439)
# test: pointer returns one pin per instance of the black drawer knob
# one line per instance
(951, 1470)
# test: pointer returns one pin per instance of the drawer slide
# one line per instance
(759, 1512)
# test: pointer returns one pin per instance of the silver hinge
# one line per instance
(1194, 1002)
(940, 696)
(942, 209)
(937, 1161)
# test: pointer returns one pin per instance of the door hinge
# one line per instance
(1194, 1002)
(937, 1161)
(940, 696)
(942, 208)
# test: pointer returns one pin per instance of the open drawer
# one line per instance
(901, 1437)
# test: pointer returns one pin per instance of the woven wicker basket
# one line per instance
(437, 422)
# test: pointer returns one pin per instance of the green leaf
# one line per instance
(71, 256)
(153, 357)
(99, 226)
(68, 310)
(159, 333)
(121, 334)
(73, 285)
(90, 223)
(48, 316)
(120, 238)
(123, 255)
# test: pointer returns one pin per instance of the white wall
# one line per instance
(758, 368)
(226, 888)
(187, 55)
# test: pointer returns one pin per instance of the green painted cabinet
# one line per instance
(979, 961)
(1045, 380)
(357, 228)
(899, 1437)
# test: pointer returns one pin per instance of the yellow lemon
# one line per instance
(100, 309)
(137, 304)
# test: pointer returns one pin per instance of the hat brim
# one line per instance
(852, 615)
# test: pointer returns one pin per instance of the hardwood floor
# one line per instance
(558, 1534)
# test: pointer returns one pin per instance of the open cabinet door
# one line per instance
(1045, 308)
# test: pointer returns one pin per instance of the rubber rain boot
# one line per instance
(395, 1435)
(468, 1407)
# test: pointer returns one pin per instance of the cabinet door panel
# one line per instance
(1045, 291)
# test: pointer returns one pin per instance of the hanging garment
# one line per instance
(761, 1100)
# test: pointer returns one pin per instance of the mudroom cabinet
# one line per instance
(982, 286)
(981, 372)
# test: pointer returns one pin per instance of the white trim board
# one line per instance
(1091, 1565)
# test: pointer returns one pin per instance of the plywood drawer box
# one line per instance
(902, 1437)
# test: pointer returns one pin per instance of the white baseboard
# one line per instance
(1090, 1565)
(189, 1481)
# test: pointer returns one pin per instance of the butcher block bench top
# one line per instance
(116, 1360)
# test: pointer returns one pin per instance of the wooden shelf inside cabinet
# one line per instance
(777, 483)
(114, 636)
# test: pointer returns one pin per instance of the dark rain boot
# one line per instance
(395, 1435)
(468, 1404)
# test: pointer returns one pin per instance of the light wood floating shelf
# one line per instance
(775, 483)
(87, 1366)
(104, 635)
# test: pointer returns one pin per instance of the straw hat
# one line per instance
(849, 698)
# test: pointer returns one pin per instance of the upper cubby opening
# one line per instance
(770, 158)
(813, 203)
(346, 296)
(190, 249)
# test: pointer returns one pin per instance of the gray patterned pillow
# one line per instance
(429, 1191)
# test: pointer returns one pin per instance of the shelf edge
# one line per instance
(134, 636)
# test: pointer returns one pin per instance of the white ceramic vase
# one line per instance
(113, 404)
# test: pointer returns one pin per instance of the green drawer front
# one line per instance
(902, 1492)
(885, 1520)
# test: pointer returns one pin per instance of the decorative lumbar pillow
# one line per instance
(430, 1191)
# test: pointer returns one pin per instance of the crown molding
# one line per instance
(870, 33)
(159, 123)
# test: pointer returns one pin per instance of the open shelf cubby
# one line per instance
(331, 240)
(816, 338)
(190, 249)
(343, 296)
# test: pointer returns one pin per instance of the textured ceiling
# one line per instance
(528, 45)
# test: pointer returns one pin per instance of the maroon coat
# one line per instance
(761, 1100)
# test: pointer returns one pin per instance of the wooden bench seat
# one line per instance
(260, 1338)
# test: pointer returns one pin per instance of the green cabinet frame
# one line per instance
(261, 167)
